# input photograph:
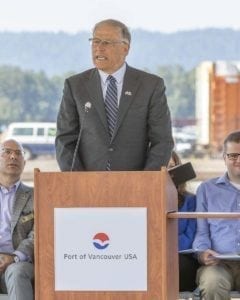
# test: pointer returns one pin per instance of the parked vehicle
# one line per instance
(183, 147)
(184, 142)
(37, 138)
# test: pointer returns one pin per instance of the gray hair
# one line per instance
(115, 23)
(2, 143)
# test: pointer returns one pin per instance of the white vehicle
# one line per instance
(37, 138)
(183, 147)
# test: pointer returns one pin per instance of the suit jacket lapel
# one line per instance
(94, 88)
(21, 196)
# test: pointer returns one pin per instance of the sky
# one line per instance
(73, 16)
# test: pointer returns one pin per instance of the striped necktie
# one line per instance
(111, 104)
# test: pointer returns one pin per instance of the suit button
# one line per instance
(110, 149)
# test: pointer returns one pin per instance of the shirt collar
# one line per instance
(118, 75)
(224, 179)
(12, 188)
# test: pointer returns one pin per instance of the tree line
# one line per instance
(28, 96)
(56, 53)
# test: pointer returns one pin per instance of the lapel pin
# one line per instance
(128, 93)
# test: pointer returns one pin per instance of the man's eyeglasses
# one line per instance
(105, 43)
(232, 156)
(8, 152)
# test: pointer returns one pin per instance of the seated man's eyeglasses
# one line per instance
(232, 156)
(8, 152)
(105, 43)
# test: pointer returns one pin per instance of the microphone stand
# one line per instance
(87, 107)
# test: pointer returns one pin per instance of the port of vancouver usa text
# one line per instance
(90, 256)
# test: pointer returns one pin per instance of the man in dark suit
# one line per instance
(140, 137)
(16, 230)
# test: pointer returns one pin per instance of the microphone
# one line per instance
(87, 107)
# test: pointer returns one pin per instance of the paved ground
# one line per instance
(45, 164)
(205, 168)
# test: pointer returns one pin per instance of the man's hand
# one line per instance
(5, 261)
(207, 258)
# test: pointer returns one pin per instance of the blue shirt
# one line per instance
(187, 227)
(220, 235)
(6, 204)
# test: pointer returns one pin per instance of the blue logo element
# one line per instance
(101, 241)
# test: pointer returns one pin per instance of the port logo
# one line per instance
(101, 241)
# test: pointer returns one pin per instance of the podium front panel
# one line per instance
(151, 190)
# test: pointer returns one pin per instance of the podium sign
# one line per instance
(100, 249)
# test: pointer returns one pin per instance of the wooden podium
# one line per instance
(153, 190)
